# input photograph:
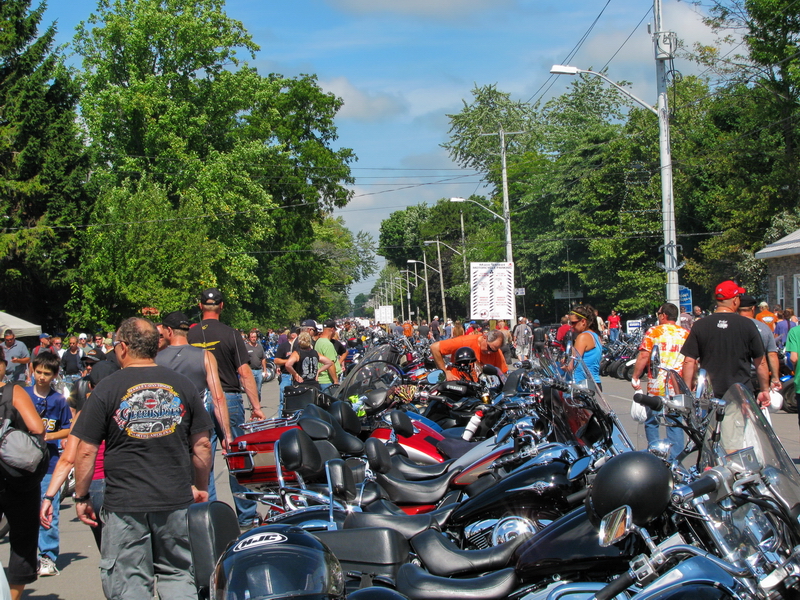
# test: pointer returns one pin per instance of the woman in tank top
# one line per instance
(583, 322)
(303, 364)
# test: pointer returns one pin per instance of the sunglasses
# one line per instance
(575, 322)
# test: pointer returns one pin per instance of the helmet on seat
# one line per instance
(278, 561)
(636, 479)
(464, 356)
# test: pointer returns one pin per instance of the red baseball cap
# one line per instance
(727, 290)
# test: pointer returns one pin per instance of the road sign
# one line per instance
(491, 290)
(519, 291)
(685, 298)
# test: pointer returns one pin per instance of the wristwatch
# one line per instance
(51, 498)
(80, 499)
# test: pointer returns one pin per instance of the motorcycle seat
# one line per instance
(345, 442)
(442, 557)
(408, 469)
(343, 413)
(212, 526)
(407, 525)
(299, 452)
(418, 584)
(402, 491)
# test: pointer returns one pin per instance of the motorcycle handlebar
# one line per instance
(620, 584)
(651, 402)
(706, 484)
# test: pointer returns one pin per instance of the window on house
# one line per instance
(780, 291)
(795, 292)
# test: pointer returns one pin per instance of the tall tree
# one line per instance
(42, 168)
(245, 157)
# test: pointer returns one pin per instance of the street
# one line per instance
(80, 579)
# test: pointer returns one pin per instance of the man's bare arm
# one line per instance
(218, 398)
(249, 383)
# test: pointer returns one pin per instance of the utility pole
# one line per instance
(664, 43)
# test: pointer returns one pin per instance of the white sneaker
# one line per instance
(47, 567)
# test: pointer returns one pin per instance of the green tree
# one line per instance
(42, 168)
(247, 157)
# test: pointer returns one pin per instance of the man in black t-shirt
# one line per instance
(725, 343)
(228, 347)
(157, 460)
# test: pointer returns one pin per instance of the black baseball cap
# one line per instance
(211, 296)
(329, 324)
(176, 320)
(94, 355)
(309, 323)
(747, 301)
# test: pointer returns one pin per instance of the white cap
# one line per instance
(83, 336)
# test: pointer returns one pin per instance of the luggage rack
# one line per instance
(271, 423)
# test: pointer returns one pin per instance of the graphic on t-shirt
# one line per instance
(308, 369)
(722, 324)
(149, 410)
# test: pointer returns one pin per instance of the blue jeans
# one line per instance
(613, 334)
(324, 386)
(674, 434)
(212, 485)
(285, 381)
(259, 375)
(48, 538)
(245, 509)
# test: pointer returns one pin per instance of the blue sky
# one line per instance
(402, 65)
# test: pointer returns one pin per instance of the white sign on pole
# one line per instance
(492, 290)
(384, 314)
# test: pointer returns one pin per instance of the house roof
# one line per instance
(786, 246)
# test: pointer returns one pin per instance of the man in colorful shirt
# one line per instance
(669, 337)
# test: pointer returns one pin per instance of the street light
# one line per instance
(441, 274)
(427, 293)
(671, 265)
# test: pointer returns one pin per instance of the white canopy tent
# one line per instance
(20, 327)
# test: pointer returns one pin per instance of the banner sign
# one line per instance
(384, 314)
(491, 290)
(685, 295)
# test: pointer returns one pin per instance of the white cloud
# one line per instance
(422, 8)
(364, 106)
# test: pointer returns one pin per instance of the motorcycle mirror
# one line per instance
(616, 525)
(568, 348)
(490, 370)
(579, 468)
(435, 377)
(655, 363)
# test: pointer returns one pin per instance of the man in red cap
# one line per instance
(724, 344)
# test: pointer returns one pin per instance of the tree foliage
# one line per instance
(43, 167)
(244, 162)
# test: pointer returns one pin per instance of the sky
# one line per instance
(401, 66)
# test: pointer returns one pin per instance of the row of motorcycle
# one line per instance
(403, 484)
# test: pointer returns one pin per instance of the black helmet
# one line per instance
(277, 561)
(638, 479)
(464, 356)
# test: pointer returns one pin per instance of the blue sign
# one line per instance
(685, 298)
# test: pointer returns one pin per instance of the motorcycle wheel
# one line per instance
(612, 368)
(270, 372)
(604, 367)
(789, 398)
(629, 371)
(621, 370)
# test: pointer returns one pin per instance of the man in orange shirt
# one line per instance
(486, 346)
(766, 316)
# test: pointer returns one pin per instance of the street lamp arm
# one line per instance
(568, 70)
(479, 204)
(443, 244)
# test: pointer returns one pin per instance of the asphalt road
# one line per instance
(79, 578)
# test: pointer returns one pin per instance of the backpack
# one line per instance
(23, 456)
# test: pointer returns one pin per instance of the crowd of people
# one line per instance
(142, 448)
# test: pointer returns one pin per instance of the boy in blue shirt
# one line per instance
(57, 418)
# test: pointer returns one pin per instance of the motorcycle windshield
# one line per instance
(369, 377)
(742, 427)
